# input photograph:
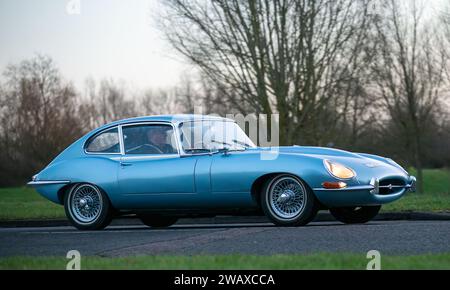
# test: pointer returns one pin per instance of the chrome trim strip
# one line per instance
(97, 153)
(47, 182)
(180, 144)
(206, 120)
(122, 147)
(148, 156)
(358, 187)
(95, 135)
(373, 187)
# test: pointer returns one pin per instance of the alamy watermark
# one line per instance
(74, 262)
(262, 129)
(73, 7)
(374, 257)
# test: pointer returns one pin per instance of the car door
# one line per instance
(232, 175)
(152, 173)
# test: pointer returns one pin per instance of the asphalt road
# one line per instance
(394, 237)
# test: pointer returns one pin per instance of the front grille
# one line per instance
(391, 186)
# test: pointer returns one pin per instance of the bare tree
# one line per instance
(276, 56)
(38, 117)
(184, 97)
(107, 101)
(159, 101)
(409, 74)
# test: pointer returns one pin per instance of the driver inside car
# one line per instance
(157, 137)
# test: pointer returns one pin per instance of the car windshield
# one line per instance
(208, 136)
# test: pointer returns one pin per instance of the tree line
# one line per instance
(339, 71)
(361, 75)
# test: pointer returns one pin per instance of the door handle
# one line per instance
(123, 164)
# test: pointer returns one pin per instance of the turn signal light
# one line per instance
(334, 185)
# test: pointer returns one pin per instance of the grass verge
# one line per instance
(435, 199)
(21, 203)
(283, 262)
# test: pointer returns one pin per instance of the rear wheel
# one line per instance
(87, 207)
(156, 221)
(286, 201)
(355, 215)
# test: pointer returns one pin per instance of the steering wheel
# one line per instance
(153, 147)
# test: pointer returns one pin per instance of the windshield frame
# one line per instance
(224, 149)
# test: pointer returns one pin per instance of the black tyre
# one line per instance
(87, 207)
(355, 215)
(156, 221)
(287, 201)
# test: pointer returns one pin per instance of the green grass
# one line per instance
(435, 180)
(432, 202)
(310, 261)
(436, 197)
(24, 203)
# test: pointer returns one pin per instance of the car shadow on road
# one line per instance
(230, 226)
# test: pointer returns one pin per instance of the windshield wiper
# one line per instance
(221, 142)
(241, 143)
(202, 150)
(229, 147)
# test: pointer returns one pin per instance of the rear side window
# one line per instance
(105, 142)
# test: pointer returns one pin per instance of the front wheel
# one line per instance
(286, 201)
(355, 215)
(155, 221)
(87, 207)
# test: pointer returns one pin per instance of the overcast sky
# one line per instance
(108, 38)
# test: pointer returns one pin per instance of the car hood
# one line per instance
(339, 155)
(309, 150)
(319, 152)
(357, 161)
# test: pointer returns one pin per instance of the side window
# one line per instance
(149, 139)
(105, 142)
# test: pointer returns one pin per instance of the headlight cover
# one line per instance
(338, 170)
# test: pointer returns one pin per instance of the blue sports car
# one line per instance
(162, 168)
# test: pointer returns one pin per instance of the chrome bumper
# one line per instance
(47, 182)
(412, 185)
(375, 184)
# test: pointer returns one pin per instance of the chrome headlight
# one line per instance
(338, 170)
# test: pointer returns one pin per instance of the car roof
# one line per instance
(178, 118)
(174, 119)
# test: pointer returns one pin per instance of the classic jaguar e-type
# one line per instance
(162, 168)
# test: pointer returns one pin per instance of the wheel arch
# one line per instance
(104, 176)
(259, 183)
(65, 190)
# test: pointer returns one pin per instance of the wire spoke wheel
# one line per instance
(86, 203)
(287, 197)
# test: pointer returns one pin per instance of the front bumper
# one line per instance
(375, 184)
(361, 195)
